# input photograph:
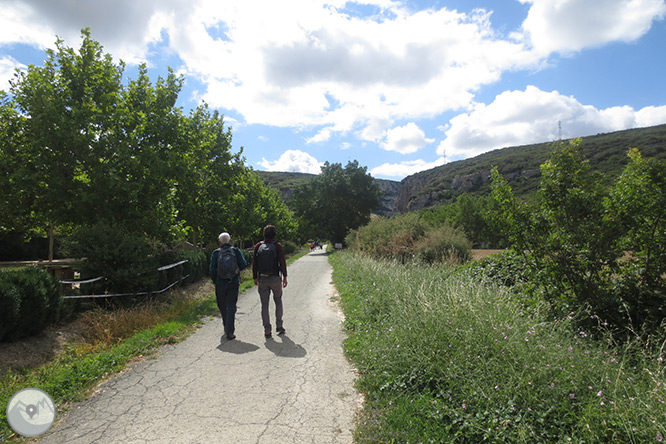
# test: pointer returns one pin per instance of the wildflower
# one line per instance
(659, 437)
(602, 403)
(464, 406)
(600, 393)
(572, 395)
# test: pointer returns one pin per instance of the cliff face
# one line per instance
(389, 199)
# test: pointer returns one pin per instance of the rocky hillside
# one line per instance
(519, 165)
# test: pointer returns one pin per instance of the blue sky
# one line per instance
(399, 86)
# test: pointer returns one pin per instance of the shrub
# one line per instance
(443, 245)
(586, 246)
(289, 247)
(196, 266)
(39, 301)
(124, 258)
(10, 303)
(407, 238)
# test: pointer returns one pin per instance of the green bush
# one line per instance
(409, 238)
(10, 303)
(443, 245)
(289, 247)
(30, 301)
(125, 259)
(196, 266)
(586, 246)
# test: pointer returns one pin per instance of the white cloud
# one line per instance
(533, 116)
(316, 64)
(322, 136)
(405, 139)
(293, 161)
(8, 66)
(125, 28)
(407, 168)
(571, 25)
(307, 64)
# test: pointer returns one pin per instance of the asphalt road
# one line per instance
(295, 388)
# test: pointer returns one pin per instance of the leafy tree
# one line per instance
(337, 200)
(208, 169)
(254, 205)
(67, 105)
(134, 179)
(574, 242)
(469, 213)
(635, 209)
(87, 149)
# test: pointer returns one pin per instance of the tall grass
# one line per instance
(447, 358)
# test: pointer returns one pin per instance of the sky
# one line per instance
(399, 86)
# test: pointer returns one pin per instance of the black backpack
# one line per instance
(227, 262)
(267, 262)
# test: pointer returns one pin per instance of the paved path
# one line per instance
(295, 388)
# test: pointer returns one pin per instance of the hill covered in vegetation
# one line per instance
(607, 153)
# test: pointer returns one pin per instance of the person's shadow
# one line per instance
(236, 347)
(285, 347)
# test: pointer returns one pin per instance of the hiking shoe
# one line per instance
(280, 331)
(231, 336)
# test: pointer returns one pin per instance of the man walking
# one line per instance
(225, 265)
(268, 264)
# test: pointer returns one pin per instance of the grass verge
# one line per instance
(443, 357)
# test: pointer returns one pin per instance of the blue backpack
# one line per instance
(227, 262)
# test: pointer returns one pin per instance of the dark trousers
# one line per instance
(226, 293)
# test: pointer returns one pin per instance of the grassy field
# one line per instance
(443, 358)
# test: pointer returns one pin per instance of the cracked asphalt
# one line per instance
(294, 388)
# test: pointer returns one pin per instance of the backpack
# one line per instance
(227, 262)
(267, 262)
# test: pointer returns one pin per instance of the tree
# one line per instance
(337, 200)
(575, 242)
(209, 168)
(87, 149)
(635, 209)
(67, 105)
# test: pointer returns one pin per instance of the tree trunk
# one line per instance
(51, 235)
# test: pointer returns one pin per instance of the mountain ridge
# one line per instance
(520, 165)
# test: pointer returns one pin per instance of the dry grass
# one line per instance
(483, 253)
(99, 327)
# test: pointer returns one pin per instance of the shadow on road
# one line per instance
(236, 347)
(285, 347)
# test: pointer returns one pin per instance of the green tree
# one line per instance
(89, 149)
(635, 209)
(575, 240)
(67, 105)
(337, 200)
(208, 170)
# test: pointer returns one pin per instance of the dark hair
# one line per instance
(269, 232)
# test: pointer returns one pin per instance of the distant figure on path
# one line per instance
(268, 263)
(225, 265)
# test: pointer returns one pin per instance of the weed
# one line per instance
(443, 357)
